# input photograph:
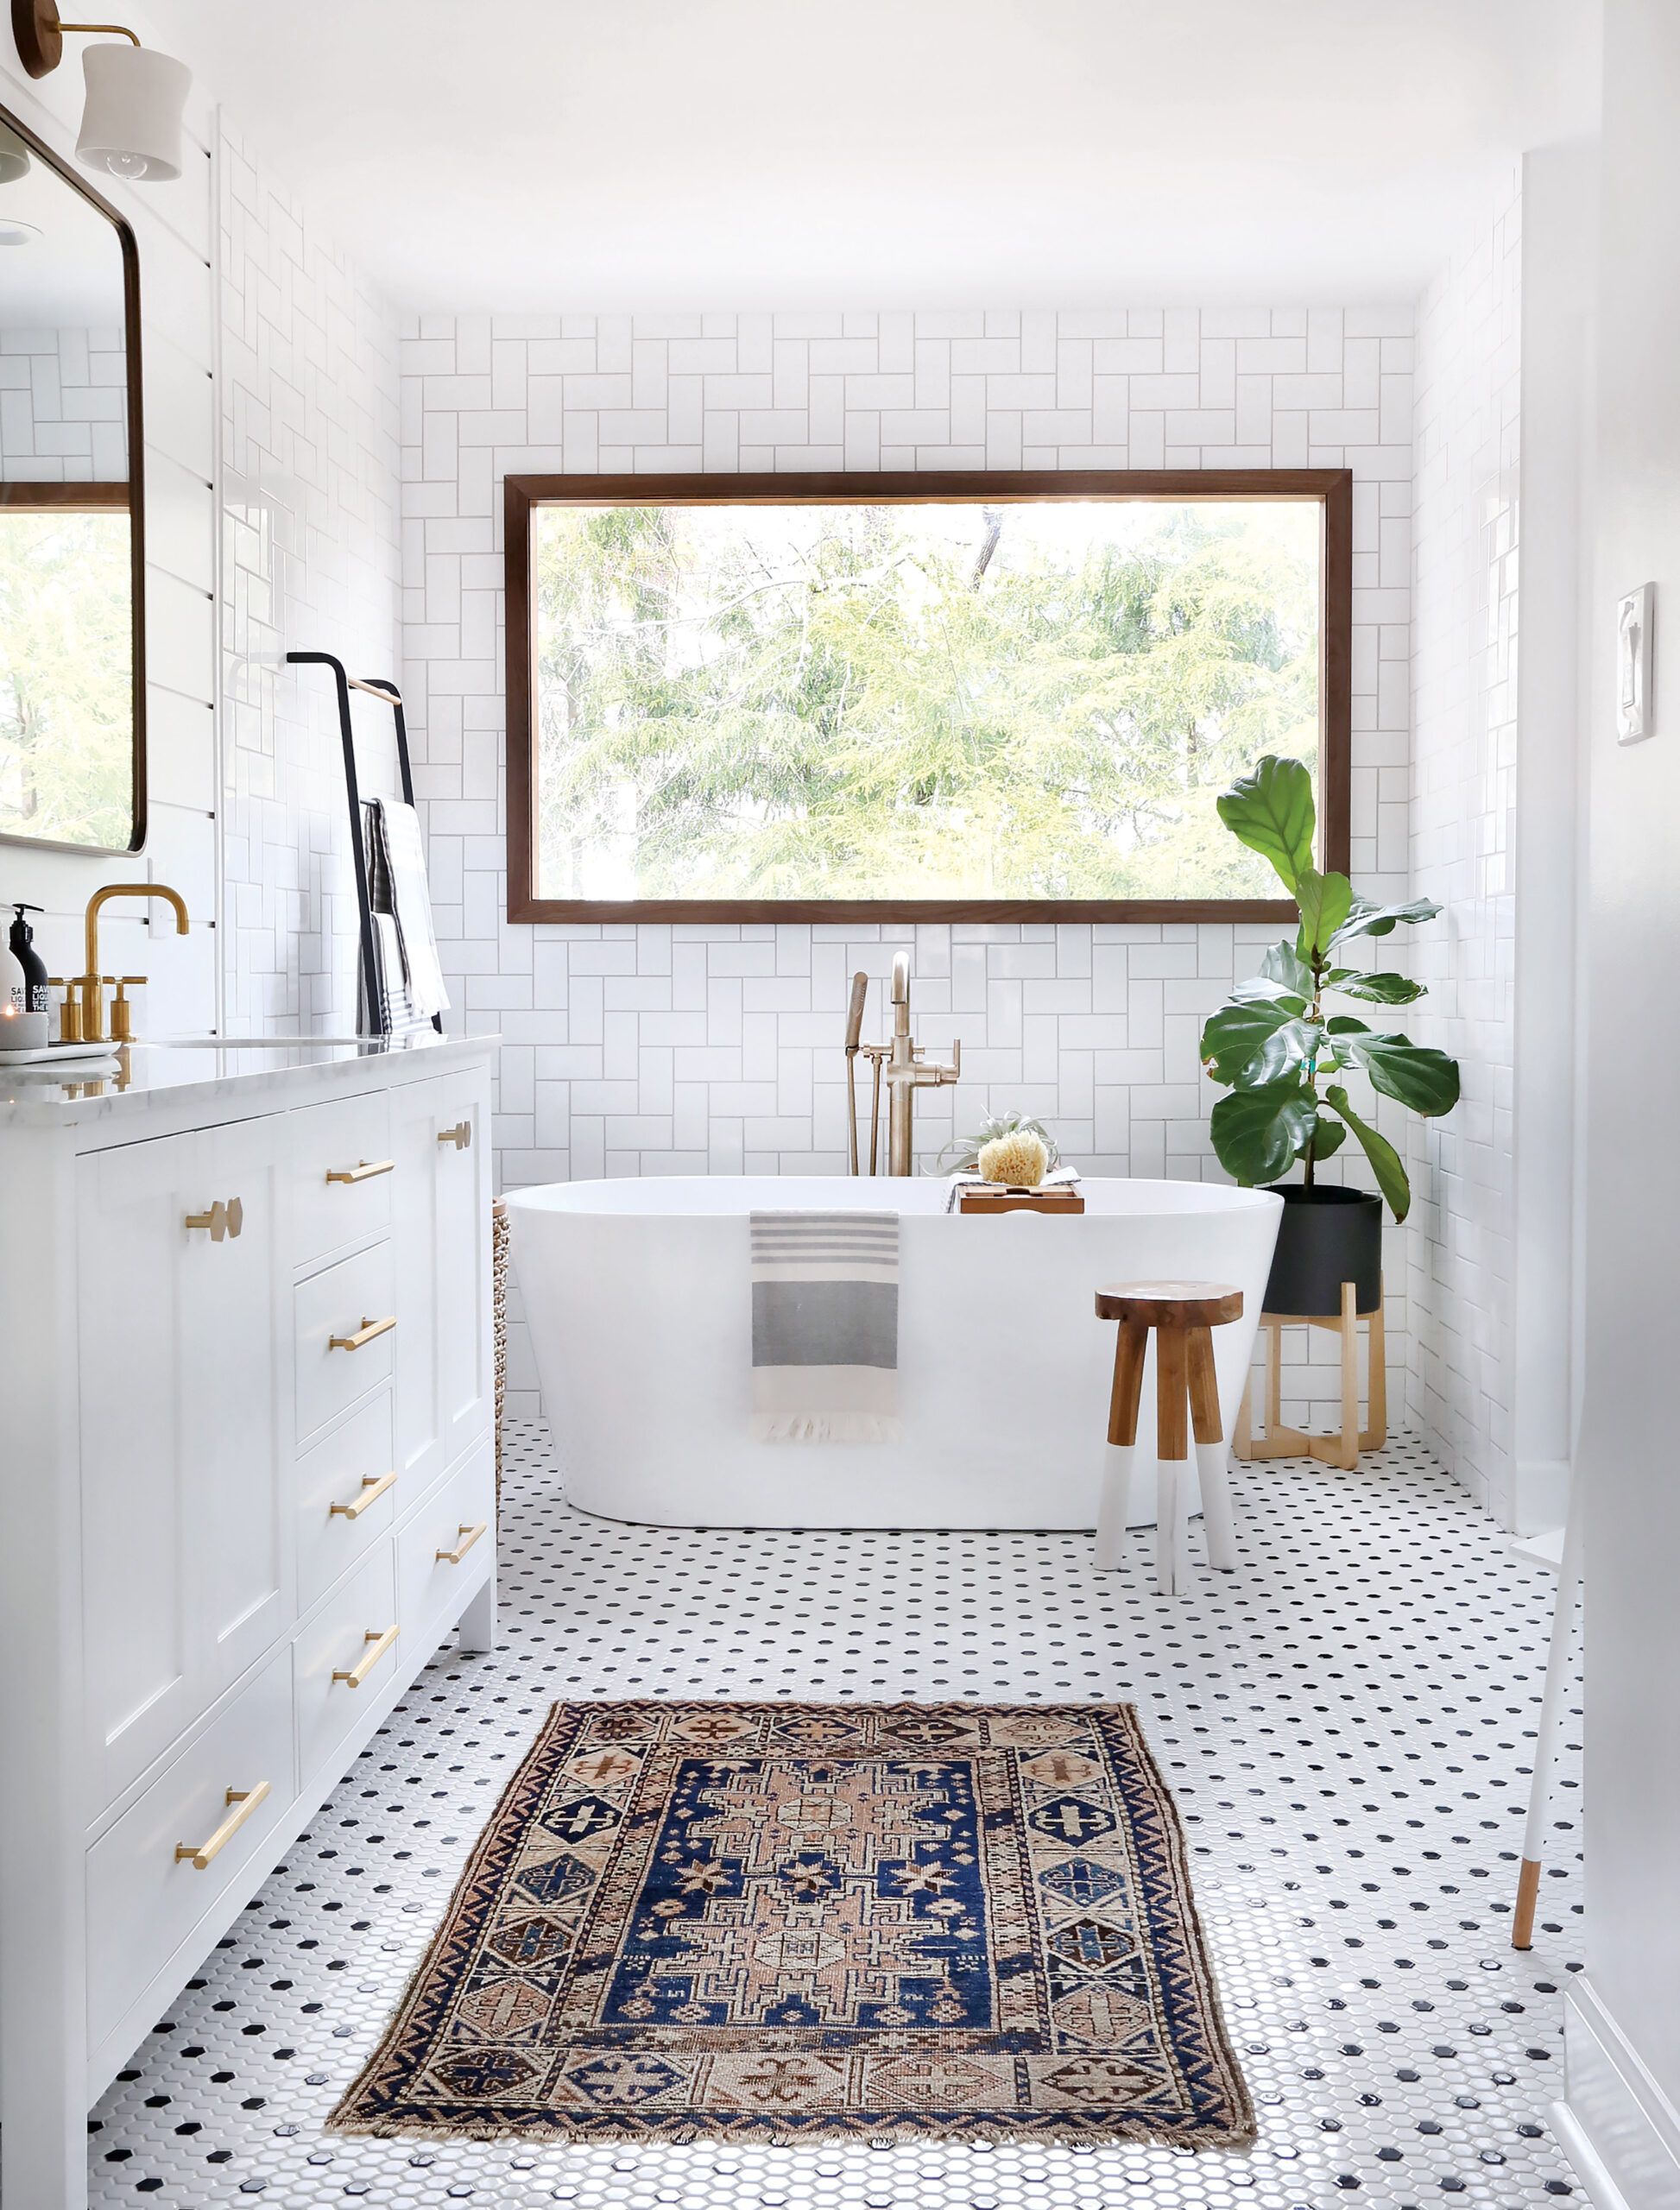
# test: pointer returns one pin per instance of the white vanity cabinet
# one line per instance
(246, 1435)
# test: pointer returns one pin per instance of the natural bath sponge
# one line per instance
(1019, 1158)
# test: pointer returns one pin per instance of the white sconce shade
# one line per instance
(132, 120)
(14, 157)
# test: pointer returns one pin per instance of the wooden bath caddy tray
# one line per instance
(1007, 1200)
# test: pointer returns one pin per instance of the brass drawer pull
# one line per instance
(363, 1171)
(364, 1334)
(460, 1135)
(221, 1219)
(377, 1644)
(243, 1801)
(374, 1485)
(471, 1534)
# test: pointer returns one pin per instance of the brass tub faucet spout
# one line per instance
(91, 986)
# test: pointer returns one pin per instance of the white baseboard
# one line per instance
(1621, 2130)
(1545, 1549)
(1540, 1492)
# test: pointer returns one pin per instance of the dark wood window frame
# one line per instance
(1331, 487)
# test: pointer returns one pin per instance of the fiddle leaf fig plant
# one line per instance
(1277, 1046)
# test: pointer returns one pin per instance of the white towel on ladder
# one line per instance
(398, 855)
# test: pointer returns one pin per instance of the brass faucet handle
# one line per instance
(70, 1009)
(122, 1013)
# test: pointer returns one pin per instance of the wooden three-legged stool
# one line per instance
(1182, 1315)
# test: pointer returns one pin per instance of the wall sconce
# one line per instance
(131, 116)
(14, 157)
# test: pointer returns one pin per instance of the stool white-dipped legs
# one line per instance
(1172, 1526)
(1130, 1347)
(1118, 1459)
(1212, 1461)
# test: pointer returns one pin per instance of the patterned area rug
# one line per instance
(791, 1920)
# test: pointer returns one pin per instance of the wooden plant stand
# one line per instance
(1339, 1451)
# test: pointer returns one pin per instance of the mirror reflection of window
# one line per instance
(68, 616)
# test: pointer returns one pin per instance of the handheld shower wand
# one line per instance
(854, 1029)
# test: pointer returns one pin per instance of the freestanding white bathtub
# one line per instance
(640, 1308)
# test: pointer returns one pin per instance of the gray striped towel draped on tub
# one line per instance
(826, 1327)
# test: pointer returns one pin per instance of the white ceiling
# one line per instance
(684, 153)
(71, 276)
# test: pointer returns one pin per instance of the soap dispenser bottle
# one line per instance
(36, 995)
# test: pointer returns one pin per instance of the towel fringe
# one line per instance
(826, 1427)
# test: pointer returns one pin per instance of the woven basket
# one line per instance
(499, 1306)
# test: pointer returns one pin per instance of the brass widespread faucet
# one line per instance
(900, 1065)
(90, 988)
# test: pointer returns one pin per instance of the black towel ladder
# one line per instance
(383, 688)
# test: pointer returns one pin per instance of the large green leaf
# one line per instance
(1271, 810)
(1250, 1043)
(1257, 1134)
(1373, 989)
(1283, 964)
(1261, 989)
(1366, 919)
(1327, 1137)
(1417, 1074)
(1325, 901)
(1385, 1159)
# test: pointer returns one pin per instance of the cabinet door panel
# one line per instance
(236, 1304)
(138, 1652)
(415, 1120)
(465, 1372)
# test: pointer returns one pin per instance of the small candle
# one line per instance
(21, 1031)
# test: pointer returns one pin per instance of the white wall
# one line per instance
(174, 228)
(1560, 185)
(1464, 718)
(1624, 2029)
(309, 497)
(716, 1049)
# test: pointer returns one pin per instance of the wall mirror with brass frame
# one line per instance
(72, 729)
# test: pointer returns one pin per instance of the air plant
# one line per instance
(962, 1154)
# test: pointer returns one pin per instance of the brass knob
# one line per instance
(460, 1135)
(221, 1219)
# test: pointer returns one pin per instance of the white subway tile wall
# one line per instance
(64, 402)
(716, 1049)
(1463, 836)
(309, 561)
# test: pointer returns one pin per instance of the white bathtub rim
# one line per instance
(622, 1196)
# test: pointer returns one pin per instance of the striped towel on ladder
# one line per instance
(826, 1327)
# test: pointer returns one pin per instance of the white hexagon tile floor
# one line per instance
(1347, 1722)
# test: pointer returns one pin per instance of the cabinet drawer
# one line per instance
(143, 1899)
(339, 1640)
(438, 1552)
(343, 1509)
(341, 1171)
(342, 1350)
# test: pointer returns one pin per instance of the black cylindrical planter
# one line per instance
(1327, 1235)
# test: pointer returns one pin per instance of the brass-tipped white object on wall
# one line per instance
(131, 122)
(131, 118)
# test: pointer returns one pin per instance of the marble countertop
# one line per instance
(209, 1070)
